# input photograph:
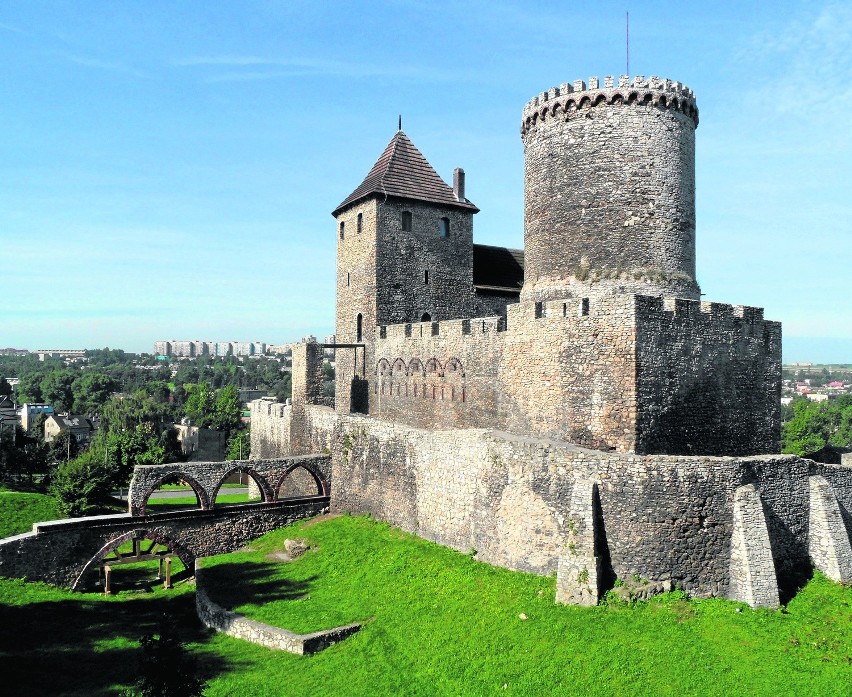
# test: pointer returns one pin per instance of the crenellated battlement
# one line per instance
(658, 92)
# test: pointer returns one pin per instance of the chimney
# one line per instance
(458, 183)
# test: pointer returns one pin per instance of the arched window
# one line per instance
(359, 321)
(426, 317)
(342, 225)
(445, 227)
(360, 221)
(406, 221)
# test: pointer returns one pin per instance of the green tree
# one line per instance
(29, 388)
(814, 425)
(56, 389)
(82, 486)
(5, 388)
(239, 447)
(200, 404)
(226, 410)
(91, 391)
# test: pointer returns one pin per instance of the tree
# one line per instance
(29, 388)
(200, 404)
(239, 447)
(5, 388)
(814, 425)
(226, 410)
(91, 391)
(56, 389)
(82, 485)
(165, 669)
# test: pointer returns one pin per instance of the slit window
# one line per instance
(445, 227)
(342, 226)
(406, 221)
(426, 278)
(347, 278)
(585, 307)
(360, 223)
(359, 322)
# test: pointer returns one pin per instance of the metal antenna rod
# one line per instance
(400, 122)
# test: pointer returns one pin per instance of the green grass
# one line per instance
(437, 623)
(164, 504)
(19, 510)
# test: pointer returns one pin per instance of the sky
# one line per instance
(168, 169)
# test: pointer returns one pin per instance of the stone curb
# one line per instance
(232, 624)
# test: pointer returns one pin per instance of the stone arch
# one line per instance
(319, 479)
(454, 365)
(433, 365)
(675, 104)
(617, 98)
(632, 97)
(571, 104)
(186, 557)
(399, 369)
(383, 367)
(416, 367)
(260, 480)
(600, 99)
(647, 98)
(661, 101)
(200, 492)
(585, 102)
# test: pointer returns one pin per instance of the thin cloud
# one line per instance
(98, 64)
(14, 30)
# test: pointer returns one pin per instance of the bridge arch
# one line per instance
(168, 478)
(187, 558)
(263, 484)
(316, 475)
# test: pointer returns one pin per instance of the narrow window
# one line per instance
(426, 278)
(585, 306)
(406, 221)
(426, 317)
(358, 323)
(445, 227)
(360, 221)
(347, 278)
(342, 225)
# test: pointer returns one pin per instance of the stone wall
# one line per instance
(609, 184)
(509, 498)
(63, 552)
(612, 372)
(232, 624)
(205, 478)
(708, 378)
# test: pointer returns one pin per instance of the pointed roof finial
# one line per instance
(400, 123)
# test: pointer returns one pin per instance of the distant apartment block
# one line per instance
(75, 355)
(13, 352)
(192, 349)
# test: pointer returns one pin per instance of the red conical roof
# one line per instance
(403, 172)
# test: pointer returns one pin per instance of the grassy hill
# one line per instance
(437, 623)
(19, 510)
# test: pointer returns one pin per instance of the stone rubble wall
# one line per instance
(509, 498)
(232, 624)
(752, 570)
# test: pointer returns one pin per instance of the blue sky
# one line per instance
(167, 170)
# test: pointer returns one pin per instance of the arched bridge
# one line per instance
(67, 552)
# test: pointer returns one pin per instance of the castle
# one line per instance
(576, 407)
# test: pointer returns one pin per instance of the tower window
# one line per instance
(426, 278)
(426, 317)
(360, 221)
(585, 307)
(406, 221)
(445, 227)
(342, 225)
(347, 278)
(359, 321)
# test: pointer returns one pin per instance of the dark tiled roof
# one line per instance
(403, 172)
(496, 268)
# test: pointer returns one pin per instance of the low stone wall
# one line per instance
(232, 624)
(63, 551)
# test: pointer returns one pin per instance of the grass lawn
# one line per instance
(19, 510)
(160, 505)
(438, 623)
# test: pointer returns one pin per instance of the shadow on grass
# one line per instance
(91, 647)
(233, 584)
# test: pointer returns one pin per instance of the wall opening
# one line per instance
(347, 278)
(359, 223)
(426, 278)
(359, 323)
(425, 317)
(342, 225)
(297, 483)
(445, 227)
(406, 221)
(173, 493)
(238, 487)
(585, 307)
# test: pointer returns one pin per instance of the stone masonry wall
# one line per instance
(708, 378)
(508, 498)
(609, 184)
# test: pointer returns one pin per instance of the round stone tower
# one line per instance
(609, 181)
